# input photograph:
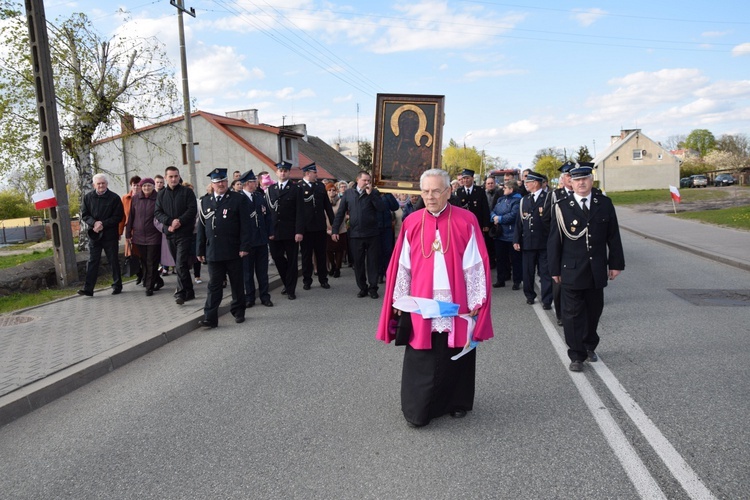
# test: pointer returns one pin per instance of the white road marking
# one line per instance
(636, 470)
(634, 467)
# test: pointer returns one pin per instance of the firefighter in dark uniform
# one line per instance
(474, 199)
(287, 227)
(317, 207)
(223, 240)
(564, 189)
(584, 251)
(530, 238)
(255, 263)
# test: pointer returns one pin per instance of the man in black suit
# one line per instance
(585, 251)
(223, 240)
(255, 263)
(564, 189)
(530, 238)
(317, 207)
(474, 199)
(287, 223)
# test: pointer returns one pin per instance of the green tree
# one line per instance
(701, 140)
(458, 157)
(14, 205)
(97, 81)
(365, 155)
(547, 161)
(583, 155)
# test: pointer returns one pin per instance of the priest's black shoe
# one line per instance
(374, 295)
(458, 413)
(325, 285)
(206, 324)
(267, 303)
(498, 284)
(291, 296)
(592, 356)
(86, 293)
(239, 319)
(306, 286)
(362, 293)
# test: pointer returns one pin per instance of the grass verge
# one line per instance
(7, 261)
(735, 217)
(663, 196)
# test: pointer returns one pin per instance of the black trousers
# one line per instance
(314, 243)
(179, 247)
(255, 265)
(285, 253)
(216, 272)
(581, 310)
(536, 261)
(111, 249)
(150, 256)
(507, 260)
(366, 252)
(432, 384)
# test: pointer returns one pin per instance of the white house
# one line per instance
(633, 161)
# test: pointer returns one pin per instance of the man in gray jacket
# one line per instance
(362, 204)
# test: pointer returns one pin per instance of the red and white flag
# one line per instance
(675, 193)
(45, 199)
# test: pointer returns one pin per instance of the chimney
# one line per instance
(249, 115)
(127, 124)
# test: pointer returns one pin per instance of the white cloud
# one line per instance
(587, 17)
(430, 25)
(521, 127)
(741, 50)
(216, 69)
(288, 93)
(714, 34)
(343, 98)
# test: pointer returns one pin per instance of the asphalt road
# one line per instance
(300, 401)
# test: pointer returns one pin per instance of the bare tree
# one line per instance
(97, 82)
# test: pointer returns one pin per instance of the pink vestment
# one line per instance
(465, 284)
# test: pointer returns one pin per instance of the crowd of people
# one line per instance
(441, 244)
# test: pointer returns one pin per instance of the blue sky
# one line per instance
(517, 77)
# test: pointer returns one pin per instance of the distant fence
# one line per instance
(24, 233)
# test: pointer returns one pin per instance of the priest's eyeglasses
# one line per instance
(434, 193)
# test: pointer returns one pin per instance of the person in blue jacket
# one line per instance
(503, 219)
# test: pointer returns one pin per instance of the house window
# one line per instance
(196, 153)
(288, 149)
(637, 154)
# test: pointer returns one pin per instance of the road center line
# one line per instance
(679, 468)
(636, 470)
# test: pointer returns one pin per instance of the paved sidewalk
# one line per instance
(67, 343)
(726, 245)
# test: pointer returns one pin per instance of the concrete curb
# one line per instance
(687, 248)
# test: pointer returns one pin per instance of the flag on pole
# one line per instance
(675, 193)
(45, 199)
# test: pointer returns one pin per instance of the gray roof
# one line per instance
(327, 157)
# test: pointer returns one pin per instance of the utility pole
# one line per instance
(66, 269)
(186, 90)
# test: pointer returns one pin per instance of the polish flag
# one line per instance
(675, 193)
(45, 199)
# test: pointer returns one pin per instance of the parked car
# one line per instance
(685, 182)
(698, 181)
(724, 180)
